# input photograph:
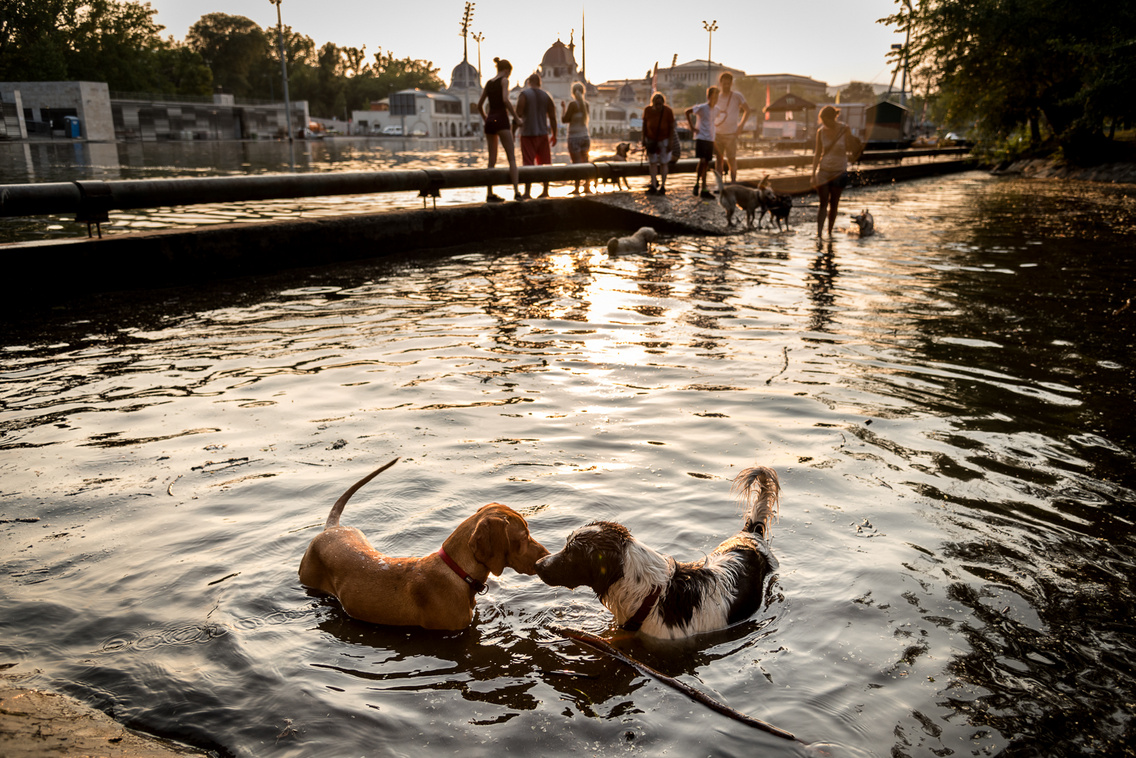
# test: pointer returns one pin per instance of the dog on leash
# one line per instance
(622, 150)
(661, 597)
(639, 242)
(437, 591)
(776, 204)
(865, 223)
(734, 196)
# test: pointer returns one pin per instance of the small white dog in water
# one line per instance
(865, 223)
(639, 242)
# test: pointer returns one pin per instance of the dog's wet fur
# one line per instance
(722, 589)
(865, 224)
(640, 242)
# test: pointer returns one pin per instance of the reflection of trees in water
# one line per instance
(1045, 683)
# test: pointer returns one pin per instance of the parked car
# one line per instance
(958, 140)
(391, 131)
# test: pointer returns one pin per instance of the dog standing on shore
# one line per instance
(733, 196)
(437, 591)
(778, 205)
(653, 593)
(622, 150)
(640, 242)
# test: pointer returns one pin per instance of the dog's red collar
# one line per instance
(632, 624)
(475, 585)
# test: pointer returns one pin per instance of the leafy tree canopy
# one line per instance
(95, 40)
(1004, 64)
(858, 92)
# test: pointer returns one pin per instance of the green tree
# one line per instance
(118, 41)
(183, 70)
(396, 74)
(31, 46)
(1005, 64)
(858, 92)
(231, 46)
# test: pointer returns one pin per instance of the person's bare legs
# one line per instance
(491, 143)
(833, 203)
(829, 196)
(506, 138)
(822, 207)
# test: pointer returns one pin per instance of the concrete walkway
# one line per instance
(59, 270)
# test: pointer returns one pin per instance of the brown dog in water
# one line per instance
(437, 591)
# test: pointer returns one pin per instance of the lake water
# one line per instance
(948, 403)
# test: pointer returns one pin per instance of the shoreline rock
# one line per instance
(1047, 168)
(34, 723)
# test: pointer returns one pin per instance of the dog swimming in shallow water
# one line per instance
(639, 242)
(662, 597)
(437, 591)
(864, 223)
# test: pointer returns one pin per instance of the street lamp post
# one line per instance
(467, 18)
(283, 69)
(477, 37)
(710, 28)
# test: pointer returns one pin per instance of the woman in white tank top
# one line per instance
(830, 166)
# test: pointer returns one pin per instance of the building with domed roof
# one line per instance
(465, 76)
(558, 71)
(465, 84)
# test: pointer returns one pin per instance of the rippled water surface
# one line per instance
(949, 405)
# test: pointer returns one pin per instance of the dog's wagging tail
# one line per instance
(663, 597)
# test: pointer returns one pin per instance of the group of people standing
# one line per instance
(714, 123)
(535, 116)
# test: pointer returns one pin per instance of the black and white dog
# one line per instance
(653, 593)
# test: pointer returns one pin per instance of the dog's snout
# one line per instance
(544, 565)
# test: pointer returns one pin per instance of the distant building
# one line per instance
(779, 85)
(89, 111)
(418, 113)
(697, 73)
(465, 84)
(44, 108)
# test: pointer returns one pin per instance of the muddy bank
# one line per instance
(1047, 168)
(34, 723)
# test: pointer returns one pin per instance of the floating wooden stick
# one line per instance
(599, 644)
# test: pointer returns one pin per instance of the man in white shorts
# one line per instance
(727, 124)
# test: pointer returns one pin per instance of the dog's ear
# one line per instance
(490, 543)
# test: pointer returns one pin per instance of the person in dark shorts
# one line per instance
(497, 120)
(701, 120)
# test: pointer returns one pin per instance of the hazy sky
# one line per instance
(832, 40)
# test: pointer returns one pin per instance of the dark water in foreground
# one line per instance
(949, 405)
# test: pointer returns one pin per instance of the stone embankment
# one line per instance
(1046, 168)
